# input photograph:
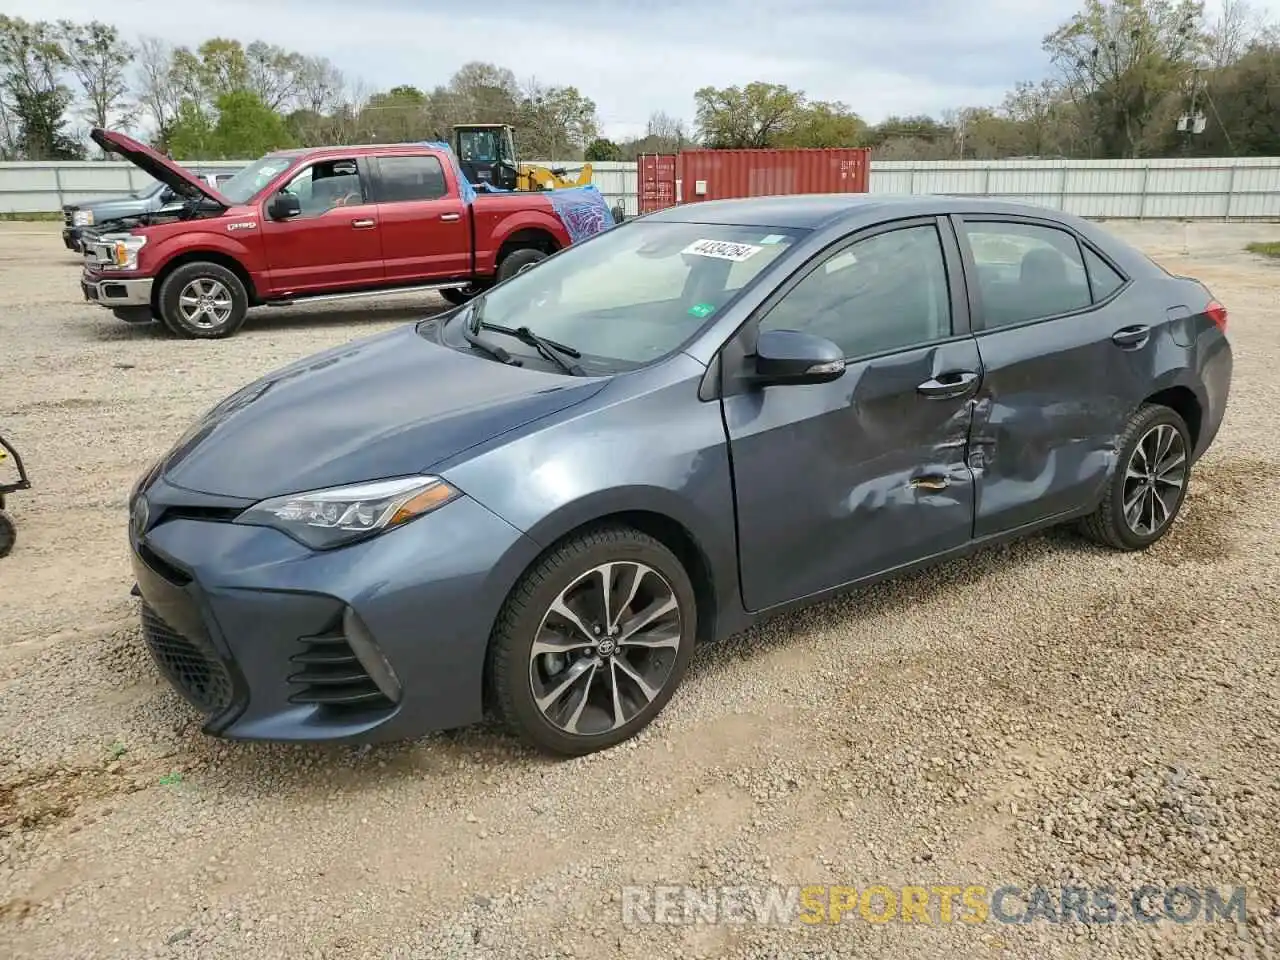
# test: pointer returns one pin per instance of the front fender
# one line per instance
(155, 256)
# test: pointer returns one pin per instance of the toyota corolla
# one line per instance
(539, 502)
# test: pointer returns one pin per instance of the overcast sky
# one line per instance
(632, 57)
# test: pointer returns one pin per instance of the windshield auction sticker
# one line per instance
(722, 250)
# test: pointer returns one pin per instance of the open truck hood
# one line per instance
(181, 180)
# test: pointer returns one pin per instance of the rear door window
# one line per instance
(1026, 271)
(404, 179)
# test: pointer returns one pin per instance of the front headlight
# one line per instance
(339, 515)
(122, 251)
(82, 218)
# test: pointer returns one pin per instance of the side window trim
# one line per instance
(379, 192)
(978, 318)
(959, 327)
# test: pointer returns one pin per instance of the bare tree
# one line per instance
(320, 85)
(97, 57)
(159, 89)
(273, 73)
(1237, 27)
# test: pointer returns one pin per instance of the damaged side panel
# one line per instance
(845, 480)
(1054, 397)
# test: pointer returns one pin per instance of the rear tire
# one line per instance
(458, 295)
(613, 677)
(519, 260)
(1149, 486)
(203, 301)
(8, 534)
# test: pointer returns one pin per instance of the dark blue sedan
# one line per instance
(541, 501)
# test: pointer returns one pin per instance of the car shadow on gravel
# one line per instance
(270, 320)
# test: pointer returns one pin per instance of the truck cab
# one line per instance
(324, 223)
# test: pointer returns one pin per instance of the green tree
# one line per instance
(757, 115)
(602, 150)
(824, 124)
(97, 57)
(555, 123)
(1121, 60)
(32, 65)
(247, 128)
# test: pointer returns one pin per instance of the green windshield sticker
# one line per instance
(773, 238)
(702, 309)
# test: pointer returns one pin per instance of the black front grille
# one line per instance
(331, 676)
(192, 666)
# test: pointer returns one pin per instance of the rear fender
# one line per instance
(489, 242)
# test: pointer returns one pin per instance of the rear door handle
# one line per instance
(362, 224)
(450, 217)
(1131, 336)
(948, 386)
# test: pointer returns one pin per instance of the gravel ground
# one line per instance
(1043, 713)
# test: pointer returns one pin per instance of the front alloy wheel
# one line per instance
(605, 649)
(592, 641)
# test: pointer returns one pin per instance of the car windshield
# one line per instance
(244, 185)
(638, 291)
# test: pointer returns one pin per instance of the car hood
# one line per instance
(121, 206)
(390, 405)
(159, 167)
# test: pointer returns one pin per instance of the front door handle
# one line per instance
(948, 386)
(362, 224)
(450, 217)
(1132, 336)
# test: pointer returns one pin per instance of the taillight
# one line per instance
(1218, 314)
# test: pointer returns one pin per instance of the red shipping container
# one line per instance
(657, 181)
(723, 174)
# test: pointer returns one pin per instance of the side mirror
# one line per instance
(793, 357)
(283, 206)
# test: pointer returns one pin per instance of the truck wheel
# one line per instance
(458, 295)
(519, 260)
(203, 301)
(8, 534)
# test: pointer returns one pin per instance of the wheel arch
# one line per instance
(664, 525)
(1183, 401)
(207, 256)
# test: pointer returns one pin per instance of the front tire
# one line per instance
(203, 301)
(1150, 482)
(574, 668)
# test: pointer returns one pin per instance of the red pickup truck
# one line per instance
(313, 224)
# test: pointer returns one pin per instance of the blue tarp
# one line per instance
(582, 210)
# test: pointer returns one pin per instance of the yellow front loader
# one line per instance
(487, 154)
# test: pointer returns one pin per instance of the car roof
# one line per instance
(818, 210)
(353, 149)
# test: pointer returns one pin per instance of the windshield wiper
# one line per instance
(548, 349)
(480, 343)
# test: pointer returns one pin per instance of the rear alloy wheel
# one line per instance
(1150, 483)
(593, 642)
(203, 301)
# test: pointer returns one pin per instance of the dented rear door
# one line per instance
(1066, 356)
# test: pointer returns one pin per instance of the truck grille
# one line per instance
(191, 666)
(332, 676)
(68, 216)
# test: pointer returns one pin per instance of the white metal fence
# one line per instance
(1239, 189)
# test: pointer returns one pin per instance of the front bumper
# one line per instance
(71, 238)
(109, 291)
(250, 626)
